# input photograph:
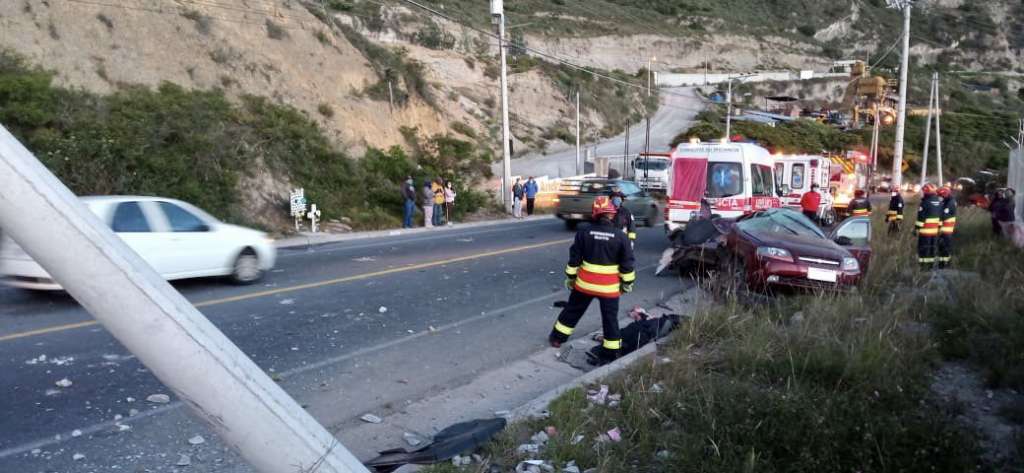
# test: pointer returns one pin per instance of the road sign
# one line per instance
(298, 202)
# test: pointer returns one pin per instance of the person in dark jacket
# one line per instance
(623, 217)
(895, 214)
(601, 265)
(409, 199)
(948, 227)
(928, 225)
(1003, 212)
(531, 189)
(518, 194)
(860, 206)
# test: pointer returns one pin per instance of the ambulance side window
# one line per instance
(797, 180)
(761, 181)
(780, 174)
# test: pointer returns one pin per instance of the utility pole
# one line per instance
(928, 134)
(498, 16)
(647, 148)
(579, 155)
(938, 128)
(728, 113)
(650, 66)
(181, 347)
(901, 114)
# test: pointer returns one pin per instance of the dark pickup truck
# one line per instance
(575, 199)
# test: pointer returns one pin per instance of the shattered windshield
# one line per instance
(782, 221)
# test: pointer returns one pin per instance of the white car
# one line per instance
(177, 239)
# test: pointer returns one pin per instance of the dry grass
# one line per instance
(844, 389)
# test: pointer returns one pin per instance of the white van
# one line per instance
(734, 178)
(652, 171)
(795, 174)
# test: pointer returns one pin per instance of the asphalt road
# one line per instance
(346, 328)
(679, 107)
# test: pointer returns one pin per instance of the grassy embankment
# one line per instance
(844, 389)
(200, 145)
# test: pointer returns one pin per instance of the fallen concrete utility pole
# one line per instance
(222, 386)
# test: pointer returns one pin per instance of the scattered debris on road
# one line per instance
(197, 440)
(158, 398)
(183, 460)
(64, 383)
(78, 457)
(370, 418)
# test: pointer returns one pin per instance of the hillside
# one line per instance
(370, 75)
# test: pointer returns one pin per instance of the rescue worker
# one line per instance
(623, 217)
(895, 215)
(929, 219)
(860, 206)
(948, 226)
(600, 266)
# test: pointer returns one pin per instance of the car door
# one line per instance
(854, 234)
(135, 226)
(193, 249)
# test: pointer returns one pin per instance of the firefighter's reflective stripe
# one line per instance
(632, 235)
(601, 269)
(628, 277)
(571, 270)
(893, 216)
(926, 260)
(930, 227)
(563, 329)
(612, 344)
(944, 259)
(860, 213)
(949, 226)
(598, 290)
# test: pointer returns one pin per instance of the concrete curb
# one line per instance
(538, 405)
(306, 239)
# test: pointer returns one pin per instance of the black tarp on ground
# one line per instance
(454, 440)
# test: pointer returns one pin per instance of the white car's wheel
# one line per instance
(246, 269)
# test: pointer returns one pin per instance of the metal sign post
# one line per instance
(298, 207)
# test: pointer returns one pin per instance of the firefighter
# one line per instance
(860, 206)
(948, 226)
(623, 217)
(929, 220)
(600, 266)
(895, 214)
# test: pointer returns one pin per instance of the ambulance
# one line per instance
(733, 178)
(795, 174)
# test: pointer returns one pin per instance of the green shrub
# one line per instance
(433, 37)
(198, 145)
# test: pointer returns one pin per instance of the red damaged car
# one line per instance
(778, 248)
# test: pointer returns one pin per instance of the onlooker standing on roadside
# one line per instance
(810, 203)
(449, 201)
(438, 200)
(409, 198)
(531, 194)
(518, 193)
(428, 204)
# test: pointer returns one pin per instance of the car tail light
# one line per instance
(779, 254)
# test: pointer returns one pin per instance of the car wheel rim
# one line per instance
(247, 268)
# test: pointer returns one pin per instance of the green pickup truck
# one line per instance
(575, 199)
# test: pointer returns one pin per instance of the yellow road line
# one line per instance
(300, 287)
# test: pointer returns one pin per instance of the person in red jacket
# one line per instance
(810, 202)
